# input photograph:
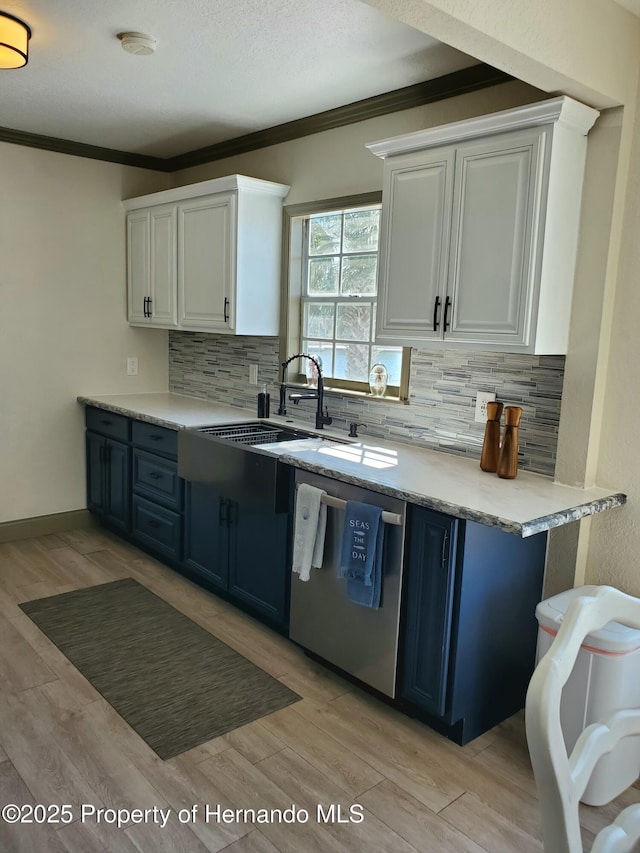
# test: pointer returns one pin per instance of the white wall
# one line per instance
(614, 544)
(63, 329)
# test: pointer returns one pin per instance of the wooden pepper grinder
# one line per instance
(491, 443)
(508, 461)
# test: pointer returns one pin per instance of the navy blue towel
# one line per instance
(361, 555)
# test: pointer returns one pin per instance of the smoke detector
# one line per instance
(139, 43)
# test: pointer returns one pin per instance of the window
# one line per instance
(333, 262)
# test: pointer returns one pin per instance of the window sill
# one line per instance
(355, 395)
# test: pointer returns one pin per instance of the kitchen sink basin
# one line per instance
(255, 434)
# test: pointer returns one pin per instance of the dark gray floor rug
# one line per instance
(173, 682)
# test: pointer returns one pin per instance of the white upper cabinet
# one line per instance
(418, 189)
(151, 267)
(479, 230)
(206, 257)
(206, 235)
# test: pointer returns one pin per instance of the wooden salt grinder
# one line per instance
(491, 443)
(508, 461)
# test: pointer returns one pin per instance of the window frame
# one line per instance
(293, 254)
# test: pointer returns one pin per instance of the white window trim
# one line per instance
(291, 302)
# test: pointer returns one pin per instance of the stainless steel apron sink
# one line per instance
(230, 459)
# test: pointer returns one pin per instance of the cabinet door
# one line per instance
(258, 560)
(206, 263)
(493, 265)
(429, 597)
(414, 246)
(95, 445)
(163, 291)
(205, 533)
(118, 484)
(138, 272)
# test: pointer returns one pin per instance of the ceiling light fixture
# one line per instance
(14, 41)
(138, 43)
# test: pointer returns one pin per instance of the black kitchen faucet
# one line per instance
(322, 418)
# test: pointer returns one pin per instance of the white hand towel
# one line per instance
(310, 524)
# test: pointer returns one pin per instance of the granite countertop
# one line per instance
(530, 504)
(175, 411)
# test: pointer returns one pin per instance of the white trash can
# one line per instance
(605, 678)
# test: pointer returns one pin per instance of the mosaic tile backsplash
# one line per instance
(442, 392)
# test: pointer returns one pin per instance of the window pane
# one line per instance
(323, 352)
(318, 319)
(352, 362)
(324, 234)
(359, 275)
(361, 230)
(353, 321)
(323, 276)
(391, 357)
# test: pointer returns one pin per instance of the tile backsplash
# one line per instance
(442, 392)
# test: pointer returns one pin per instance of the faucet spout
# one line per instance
(322, 418)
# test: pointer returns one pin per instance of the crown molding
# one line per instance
(81, 149)
(447, 86)
(216, 185)
(562, 110)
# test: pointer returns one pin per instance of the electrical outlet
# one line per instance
(482, 398)
(253, 374)
(132, 366)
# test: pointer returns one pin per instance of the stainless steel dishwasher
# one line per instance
(357, 639)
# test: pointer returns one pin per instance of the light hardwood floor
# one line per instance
(60, 742)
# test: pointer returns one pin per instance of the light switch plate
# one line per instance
(132, 366)
(482, 398)
(253, 374)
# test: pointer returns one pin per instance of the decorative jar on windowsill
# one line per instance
(378, 379)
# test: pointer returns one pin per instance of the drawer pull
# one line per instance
(155, 476)
(106, 422)
(153, 523)
(156, 437)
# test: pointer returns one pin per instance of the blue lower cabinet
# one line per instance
(258, 560)
(429, 597)
(109, 480)
(469, 627)
(205, 534)
(241, 551)
(134, 487)
(156, 528)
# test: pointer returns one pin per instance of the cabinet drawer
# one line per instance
(107, 423)
(156, 527)
(157, 439)
(157, 479)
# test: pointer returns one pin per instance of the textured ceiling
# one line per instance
(223, 68)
